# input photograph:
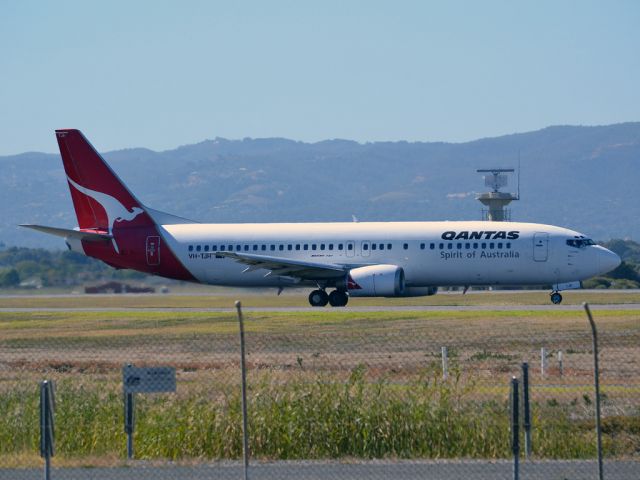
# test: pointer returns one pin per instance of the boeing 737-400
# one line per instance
(354, 259)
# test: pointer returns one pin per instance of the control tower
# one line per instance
(496, 201)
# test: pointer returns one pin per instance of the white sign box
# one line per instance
(148, 379)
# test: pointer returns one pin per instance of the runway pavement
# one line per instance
(398, 470)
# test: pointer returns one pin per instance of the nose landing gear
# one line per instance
(320, 298)
(556, 298)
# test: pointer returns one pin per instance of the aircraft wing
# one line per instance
(288, 267)
(67, 233)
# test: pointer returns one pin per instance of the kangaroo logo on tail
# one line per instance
(116, 211)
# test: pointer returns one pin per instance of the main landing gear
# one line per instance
(556, 298)
(337, 298)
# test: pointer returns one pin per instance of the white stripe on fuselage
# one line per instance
(423, 267)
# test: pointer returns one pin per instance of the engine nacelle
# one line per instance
(376, 281)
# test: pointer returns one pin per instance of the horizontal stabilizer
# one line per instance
(68, 233)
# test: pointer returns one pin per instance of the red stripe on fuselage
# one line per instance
(132, 244)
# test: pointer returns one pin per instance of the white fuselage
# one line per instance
(431, 253)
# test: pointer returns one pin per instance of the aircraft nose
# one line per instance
(607, 260)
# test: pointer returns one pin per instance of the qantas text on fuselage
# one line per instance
(340, 260)
(488, 235)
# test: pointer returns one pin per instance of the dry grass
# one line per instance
(292, 351)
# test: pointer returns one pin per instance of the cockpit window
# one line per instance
(580, 242)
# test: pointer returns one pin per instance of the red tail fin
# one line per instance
(99, 196)
(104, 205)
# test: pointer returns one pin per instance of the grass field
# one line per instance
(331, 383)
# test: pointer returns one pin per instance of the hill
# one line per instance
(580, 177)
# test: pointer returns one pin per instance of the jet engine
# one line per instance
(376, 281)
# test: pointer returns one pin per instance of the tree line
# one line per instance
(55, 268)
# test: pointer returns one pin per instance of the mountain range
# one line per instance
(585, 178)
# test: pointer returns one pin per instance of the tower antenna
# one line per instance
(518, 196)
(495, 200)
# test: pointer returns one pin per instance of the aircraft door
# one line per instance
(351, 248)
(541, 247)
(153, 250)
(365, 248)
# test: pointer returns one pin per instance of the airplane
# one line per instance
(351, 259)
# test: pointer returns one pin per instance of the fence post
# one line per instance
(596, 375)
(560, 367)
(515, 428)
(129, 421)
(47, 429)
(526, 410)
(445, 363)
(129, 411)
(243, 368)
(543, 361)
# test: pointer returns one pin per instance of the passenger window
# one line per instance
(499, 244)
(441, 246)
(289, 247)
(484, 245)
(467, 246)
(331, 246)
(238, 248)
(389, 246)
(491, 245)
(214, 248)
(350, 246)
(475, 246)
(405, 246)
(432, 246)
(459, 246)
(263, 247)
(365, 247)
(508, 245)
(198, 248)
(297, 246)
(230, 248)
(191, 248)
(206, 248)
(272, 247)
(422, 246)
(322, 246)
(255, 248)
(313, 246)
(381, 246)
(449, 246)
(246, 248)
(373, 246)
(222, 248)
(306, 246)
(340, 246)
(281, 247)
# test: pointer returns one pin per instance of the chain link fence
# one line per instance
(342, 393)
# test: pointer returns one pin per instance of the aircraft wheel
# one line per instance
(556, 298)
(338, 298)
(318, 298)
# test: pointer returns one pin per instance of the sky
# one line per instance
(159, 74)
